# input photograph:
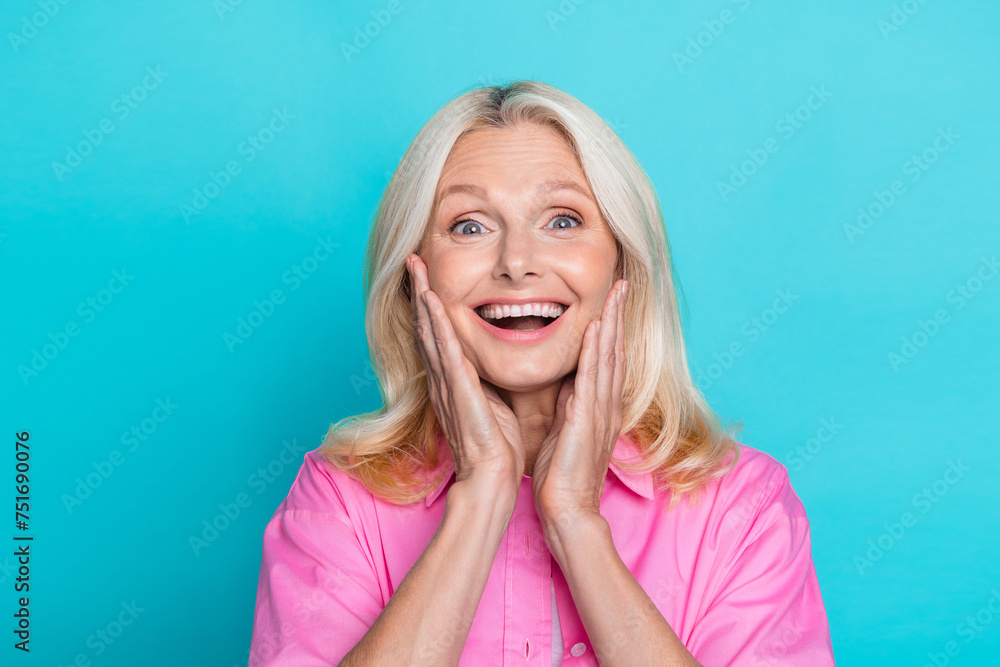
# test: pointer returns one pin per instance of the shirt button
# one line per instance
(578, 649)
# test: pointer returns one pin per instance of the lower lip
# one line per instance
(512, 336)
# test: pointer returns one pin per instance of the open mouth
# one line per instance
(521, 323)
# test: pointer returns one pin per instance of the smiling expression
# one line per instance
(516, 221)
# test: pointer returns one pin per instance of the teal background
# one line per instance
(891, 430)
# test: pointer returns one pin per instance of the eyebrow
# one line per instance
(544, 187)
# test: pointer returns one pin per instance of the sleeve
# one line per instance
(768, 610)
(316, 596)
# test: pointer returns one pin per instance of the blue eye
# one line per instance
(464, 222)
(566, 216)
(479, 229)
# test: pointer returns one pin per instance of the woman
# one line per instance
(522, 319)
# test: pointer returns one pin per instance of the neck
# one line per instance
(535, 412)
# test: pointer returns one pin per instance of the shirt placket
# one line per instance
(527, 591)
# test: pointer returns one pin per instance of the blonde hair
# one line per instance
(683, 443)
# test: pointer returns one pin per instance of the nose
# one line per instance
(518, 254)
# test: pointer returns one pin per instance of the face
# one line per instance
(515, 220)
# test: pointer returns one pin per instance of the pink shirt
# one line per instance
(733, 575)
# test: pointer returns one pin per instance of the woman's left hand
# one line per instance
(572, 462)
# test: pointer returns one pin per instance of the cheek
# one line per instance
(453, 271)
(443, 275)
(592, 276)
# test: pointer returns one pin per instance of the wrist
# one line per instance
(564, 530)
(480, 496)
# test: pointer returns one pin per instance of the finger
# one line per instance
(607, 361)
(586, 371)
(425, 321)
(443, 384)
(415, 312)
(565, 391)
(619, 381)
(620, 339)
(459, 385)
(457, 371)
(423, 325)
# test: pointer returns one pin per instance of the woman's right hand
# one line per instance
(483, 433)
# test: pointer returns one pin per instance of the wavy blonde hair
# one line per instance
(391, 449)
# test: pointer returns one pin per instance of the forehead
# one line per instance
(528, 150)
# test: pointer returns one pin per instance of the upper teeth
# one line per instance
(497, 311)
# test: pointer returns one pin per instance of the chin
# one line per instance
(515, 378)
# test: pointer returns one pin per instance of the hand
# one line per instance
(572, 462)
(481, 430)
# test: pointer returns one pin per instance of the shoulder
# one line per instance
(319, 486)
(757, 488)
(755, 471)
(762, 597)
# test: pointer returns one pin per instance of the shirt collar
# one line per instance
(625, 449)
